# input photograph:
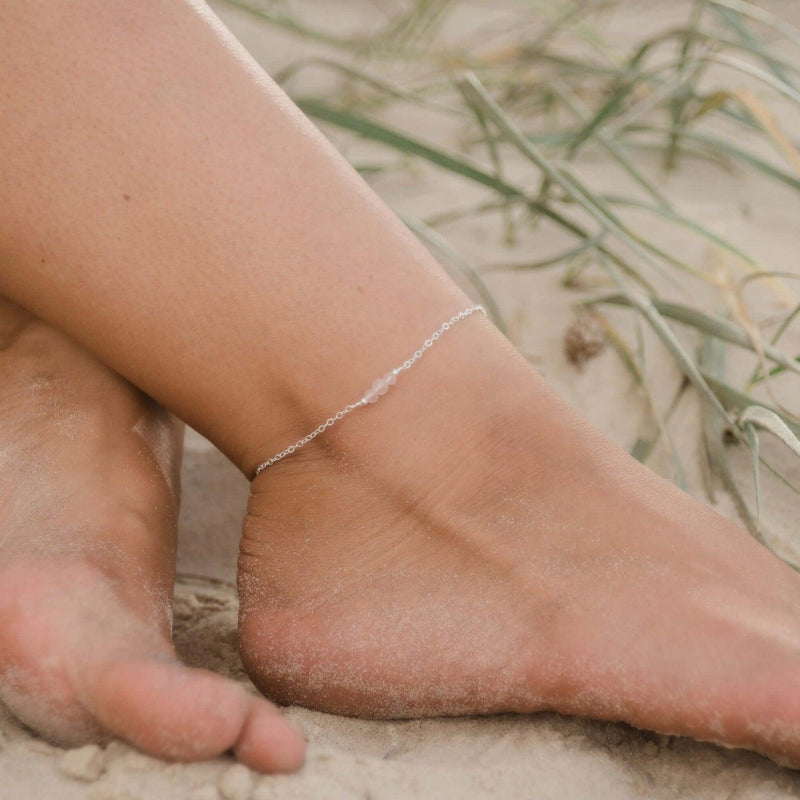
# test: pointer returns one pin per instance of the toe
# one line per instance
(186, 714)
(166, 709)
(268, 742)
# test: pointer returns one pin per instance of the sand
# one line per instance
(542, 756)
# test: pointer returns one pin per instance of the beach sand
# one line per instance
(543, 756)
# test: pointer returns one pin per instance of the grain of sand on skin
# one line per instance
(544, 756)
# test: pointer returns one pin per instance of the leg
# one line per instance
(466, 545)
(88, 509)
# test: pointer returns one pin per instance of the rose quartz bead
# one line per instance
(380, 386)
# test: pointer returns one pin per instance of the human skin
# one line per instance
(88, 519)
(466, 545)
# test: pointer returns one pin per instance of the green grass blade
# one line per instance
(558, 258)
(437, 241)
(752, 442)
(757, 73)
(389, 88)
(607, 110)
(459, 165)
(494, 156)
(737, 401)
(715, 326)
(771, 422)
(679, 219)
(757, 377)
(734, 21)
(649, 311)
(642, 447)
(410, 146)
(406, 144)
(778, 24)
(639, 245)
(686, 71)
(712, 361)
(576, 106)
(290, 24)
(717, 145)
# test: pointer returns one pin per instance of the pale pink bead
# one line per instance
(380, 386)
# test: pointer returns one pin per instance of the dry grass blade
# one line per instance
(712, 360)
(761, 15)
(715, 326)
(543, 83)
(437, 241)
(736, 400)
(560, 177)
(766, 120)
(769, 421)
(748, 69)
(752, 442)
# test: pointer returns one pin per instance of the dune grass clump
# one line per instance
(543, 88)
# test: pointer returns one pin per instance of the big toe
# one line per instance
(78, 662)
(187, 714)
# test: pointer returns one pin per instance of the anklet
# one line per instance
(379, 387)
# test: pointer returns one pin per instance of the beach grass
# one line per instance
(545, 87)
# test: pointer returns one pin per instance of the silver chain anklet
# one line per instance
(379, 387)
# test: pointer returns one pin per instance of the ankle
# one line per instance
(472, 408)
(318, 406)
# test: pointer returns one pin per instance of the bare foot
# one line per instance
(88, 507)
(469, 545)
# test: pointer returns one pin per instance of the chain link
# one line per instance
(428, 343)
